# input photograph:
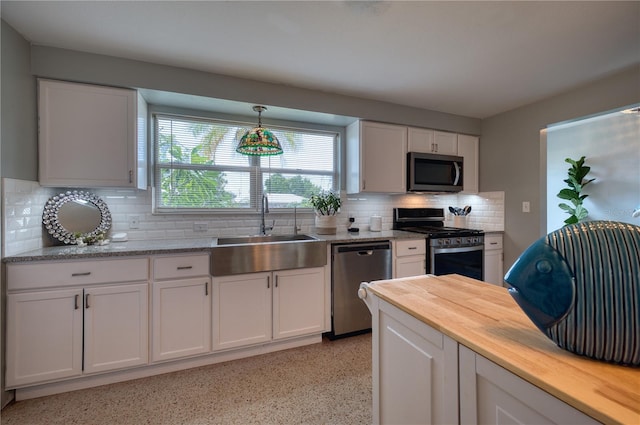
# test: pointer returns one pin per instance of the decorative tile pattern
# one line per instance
(24, 202)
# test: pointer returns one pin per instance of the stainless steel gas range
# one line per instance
(450, 249)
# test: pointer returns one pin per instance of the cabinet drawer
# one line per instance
(411, 247)
(70, 273)
(492, 242)
(177, 266)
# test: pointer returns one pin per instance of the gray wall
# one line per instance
(19, 137)
(510, 151)
(98, 69)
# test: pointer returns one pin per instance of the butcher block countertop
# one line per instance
(487, 320)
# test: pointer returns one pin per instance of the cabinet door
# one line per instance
(181, 318)
(410, 266)
(241, 310)
(445, 143)
(420, 140)
(298, 302)
(490, 394)
(115, 327)
(383, 154)
(44, 336)
(493, 260)
(468, 147)
(415, 371)
(87, 135)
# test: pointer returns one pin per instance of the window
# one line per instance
(197, 168)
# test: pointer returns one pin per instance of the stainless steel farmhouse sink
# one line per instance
(251, 254)
(236, 240)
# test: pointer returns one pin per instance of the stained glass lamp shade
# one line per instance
(259, 140)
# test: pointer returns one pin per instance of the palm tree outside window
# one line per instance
(197, 169)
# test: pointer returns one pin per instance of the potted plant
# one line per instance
(576, 181)
(326, 205)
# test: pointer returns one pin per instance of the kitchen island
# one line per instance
(455, 350)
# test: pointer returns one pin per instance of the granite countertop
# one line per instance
(171, 246)
(487, 320)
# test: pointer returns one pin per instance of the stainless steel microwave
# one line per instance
(434, 173)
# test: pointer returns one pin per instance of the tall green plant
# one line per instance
(576, 182)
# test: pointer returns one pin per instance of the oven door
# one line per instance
(467, 261)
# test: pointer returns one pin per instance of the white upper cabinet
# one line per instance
(376, 157)
(425, 140)
(445, 143)
(468, 147)
(420, 140)
(91, 136)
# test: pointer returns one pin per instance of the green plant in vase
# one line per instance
(576, 181)
(326, 205)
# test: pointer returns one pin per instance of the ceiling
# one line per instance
(475, 59)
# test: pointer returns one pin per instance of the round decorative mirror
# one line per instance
(76, 214)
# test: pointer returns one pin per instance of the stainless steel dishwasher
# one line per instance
(352, 264)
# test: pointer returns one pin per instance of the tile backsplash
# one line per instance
(23, 203)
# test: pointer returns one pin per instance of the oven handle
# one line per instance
(436, 250)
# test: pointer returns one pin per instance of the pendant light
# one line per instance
(259, 140)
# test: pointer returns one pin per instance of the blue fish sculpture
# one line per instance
(580, 285)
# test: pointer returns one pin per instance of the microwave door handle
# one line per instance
(457, 178)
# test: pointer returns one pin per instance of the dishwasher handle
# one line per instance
(364, 248)
(365, 253)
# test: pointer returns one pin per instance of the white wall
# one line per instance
(611, 145)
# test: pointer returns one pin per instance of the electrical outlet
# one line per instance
(134, 222)
(526, 206)
(200, 227)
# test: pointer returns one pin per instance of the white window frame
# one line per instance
(256, 172)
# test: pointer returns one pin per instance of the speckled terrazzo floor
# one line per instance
(327, 383)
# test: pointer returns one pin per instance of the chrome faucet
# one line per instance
(264, 210)
(295, 221)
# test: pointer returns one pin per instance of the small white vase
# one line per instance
(326, 224)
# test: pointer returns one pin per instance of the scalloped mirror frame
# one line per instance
(59, 230)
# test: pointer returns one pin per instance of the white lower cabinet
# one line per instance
(44, 336)
(181, 318)
(415, 375)
(258, 307)
(493, 260)
(421, 376)
(45, 332)
(410, 257)
(241, 310)
(181, 312)
(298, 302)
(490, 394)
(71, 318)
